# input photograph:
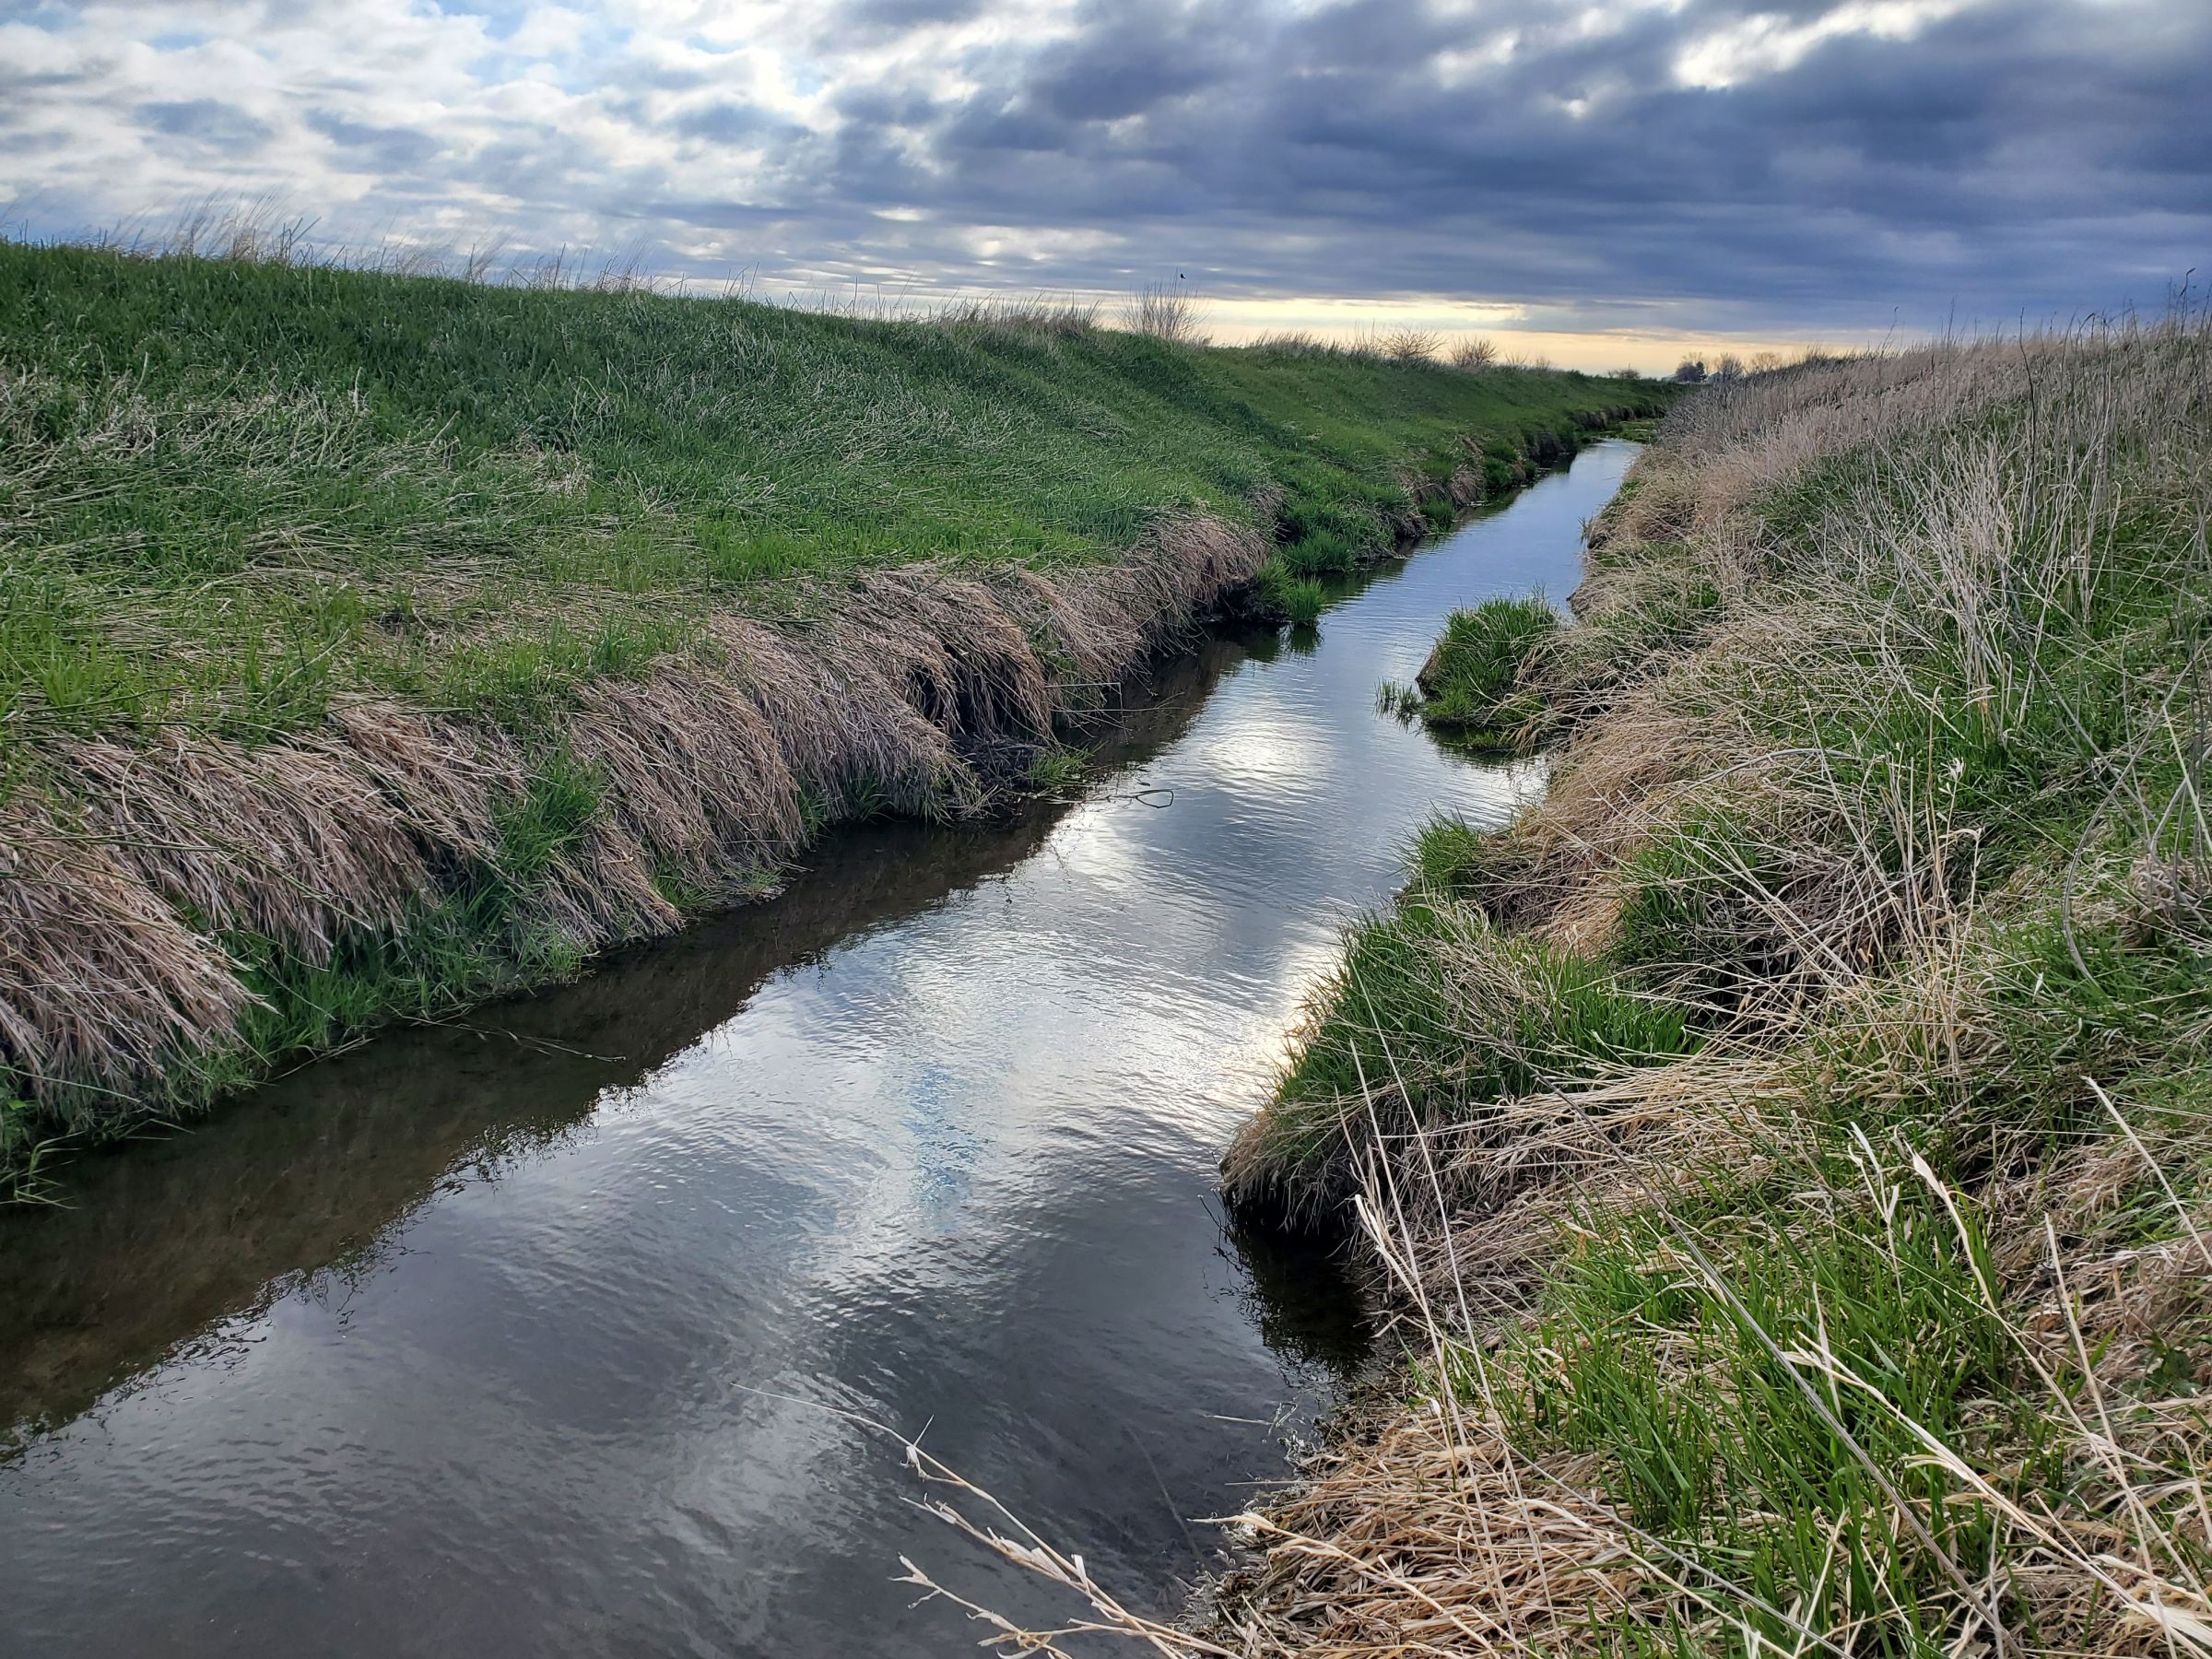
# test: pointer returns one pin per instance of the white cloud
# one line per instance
(548, 32)
(1769, 43)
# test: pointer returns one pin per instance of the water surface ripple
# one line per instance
(513, 1337)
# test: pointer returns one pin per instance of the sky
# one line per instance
(1599, 181)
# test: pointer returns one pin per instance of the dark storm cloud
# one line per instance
(2038, 153)
(1749, 163)
(1133, 59)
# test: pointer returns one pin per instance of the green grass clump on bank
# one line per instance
(1472, 688)
(1298, 600)
(1058, 770)
(1841, 1281)
(1436, 1015)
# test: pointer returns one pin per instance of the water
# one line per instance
(528, 1335)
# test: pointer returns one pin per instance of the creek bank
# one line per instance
(931, 1136)
(185, 906)
(1786, 1139)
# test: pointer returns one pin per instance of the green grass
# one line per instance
(1472, 688)
(237, 495)
(1297, 599)
(1618, 1332)
(1058, 770)
(231, 491)
(1672, 1343)
(1867, 1293)
(1436, 1016)
(1405, 1011)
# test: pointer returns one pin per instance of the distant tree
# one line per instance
(1729, 368)
(1626, 373)
(1690, 371)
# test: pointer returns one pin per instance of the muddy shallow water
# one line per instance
(523, 1335)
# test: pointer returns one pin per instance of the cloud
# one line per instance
(729, 122)
(876, 18)
(1806, 165)
(207, 121)
(388, 149)
(1773, 43)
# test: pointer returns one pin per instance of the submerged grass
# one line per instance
(369, 642)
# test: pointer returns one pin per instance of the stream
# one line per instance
(556, 1330)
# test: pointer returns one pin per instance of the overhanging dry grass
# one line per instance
(130, 869)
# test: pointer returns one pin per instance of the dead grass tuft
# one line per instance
(692, 772)
(285, 842)
(1425, 1540)
(101, 985)
(920, 689)
(1166, 310)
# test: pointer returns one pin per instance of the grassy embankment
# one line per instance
(369, 643)
(1790, 1139)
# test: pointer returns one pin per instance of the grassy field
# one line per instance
(369, 642)
(232, 492)
(1790, 1138)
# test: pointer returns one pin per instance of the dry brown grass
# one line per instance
(916, 690)
(1474, 354)
(692, 772)
(1872, 976)
(99, 980)
(1166, 310)
(1431, 1537)
(440, 776)
(1412, 345)
(287, 842)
